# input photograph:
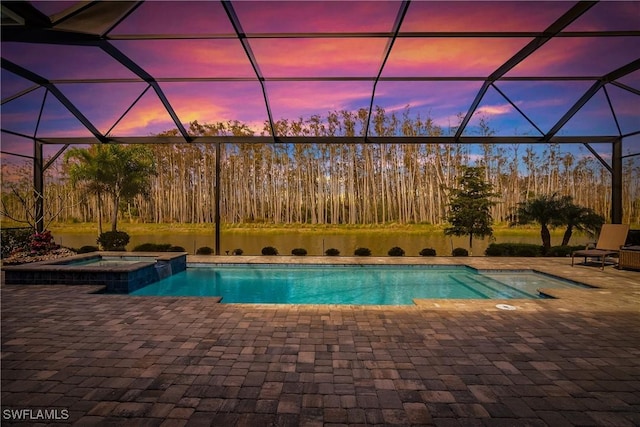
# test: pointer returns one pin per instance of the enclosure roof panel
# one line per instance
(170, 17)
(482, 16)
(115, 69)
(291, 17)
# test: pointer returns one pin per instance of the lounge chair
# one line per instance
(612, 237)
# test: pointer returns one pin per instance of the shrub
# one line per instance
(428, 252)
(299, 252)
(269, 250)
(42, 243)
(513, 249)
(113, 240)
(396, 251)
(87, 249)
(362, 252)
(460, 252)
(238, 252)
(205, 250)
(563, 251)
(176, 249)
(15, 240)
(529, 251)
(332, 252)
(152, 247)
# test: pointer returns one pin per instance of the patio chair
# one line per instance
(612, 237)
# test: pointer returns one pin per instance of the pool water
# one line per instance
(357, 284)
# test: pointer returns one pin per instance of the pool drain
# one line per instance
(505, 307)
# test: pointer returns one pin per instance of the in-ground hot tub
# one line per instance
(119, 272)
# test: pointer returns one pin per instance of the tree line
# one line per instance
(337, 183)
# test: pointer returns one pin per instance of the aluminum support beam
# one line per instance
(407, 79)
(38, 186)
(616, 74)
(335, 140)
(29, 75)
(616, 182)
(38, 174)
(597, 155)
(402, 11)
(574, 13)
(235, 21)
(217, 219)
(140, 72)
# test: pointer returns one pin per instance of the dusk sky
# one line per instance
(303, 74)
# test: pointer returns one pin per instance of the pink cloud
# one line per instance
(147, 117)
(65, 62)
(318, 57)
(436, 95)
(171, 17)
(482, 16)
(316, 16)
(19, 120)
(495, 110)
(440, 57)
(189, 58)
(16, 145)
(209, 102)
(292, 100)
(580, 56)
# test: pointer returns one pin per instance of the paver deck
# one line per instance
(116, 360)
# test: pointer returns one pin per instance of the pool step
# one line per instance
(521, 293)
(472, 289)
(494, 286)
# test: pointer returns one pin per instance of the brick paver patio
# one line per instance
(166, 361)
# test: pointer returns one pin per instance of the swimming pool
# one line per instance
(118, 272)
(350, 284)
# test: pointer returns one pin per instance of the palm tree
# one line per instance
(546, 210)
(579, 218)
(84, 167)
(117, 170)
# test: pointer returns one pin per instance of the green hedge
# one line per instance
(428, 252)
(269, 250)
(205, 250)
(529, 250)
(158, 247)
(513, 249)
(113, 240)
(460, 252)
(396, 251)
(152, 247)
(362, 252)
